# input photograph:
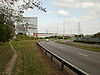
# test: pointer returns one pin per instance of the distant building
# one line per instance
(43, 35)
(27, 26)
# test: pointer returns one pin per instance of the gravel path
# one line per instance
(10, 65)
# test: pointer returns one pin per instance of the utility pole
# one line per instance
(64, 29)
(47, 31)
(64, 22)
(79, 29)
(57, 25)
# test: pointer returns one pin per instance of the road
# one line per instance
(88, 61)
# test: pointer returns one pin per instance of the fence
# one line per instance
(95, 40)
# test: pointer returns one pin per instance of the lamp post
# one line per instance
(64, 29)
(57, 25)
(64, 24)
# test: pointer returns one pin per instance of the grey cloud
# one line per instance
(77, 4)
(88, 0)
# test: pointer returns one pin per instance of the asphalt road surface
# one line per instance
(88, 61)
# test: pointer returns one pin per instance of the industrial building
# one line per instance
(28, 26)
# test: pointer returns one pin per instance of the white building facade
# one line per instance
(28, 25)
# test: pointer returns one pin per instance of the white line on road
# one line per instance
(60, 47)
(83, 54)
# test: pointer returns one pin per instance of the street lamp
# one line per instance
(64, 22)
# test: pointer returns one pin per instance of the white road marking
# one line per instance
(60, 47)
(83, 54)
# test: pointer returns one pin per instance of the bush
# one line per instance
(90, 42)
(5, 33)
(2, 43)
(20, 37)
(6, 28)
(57, 37)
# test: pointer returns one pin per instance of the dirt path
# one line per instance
(10, 65)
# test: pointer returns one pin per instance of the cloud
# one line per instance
(49, 12)
(91, 7)
(88, 0)
(77, 4)
(63, 13)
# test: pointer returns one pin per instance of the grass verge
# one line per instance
(83, 47)
(30, 61)
(6, 53)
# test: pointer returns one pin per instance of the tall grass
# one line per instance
(28, 62)
(5, 55)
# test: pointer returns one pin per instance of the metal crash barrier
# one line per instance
(62, 61)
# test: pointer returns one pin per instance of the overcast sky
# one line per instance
(70, 13)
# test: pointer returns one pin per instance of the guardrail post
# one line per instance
(41, 49)
(62, 65)
(45, 52)
(51, 56)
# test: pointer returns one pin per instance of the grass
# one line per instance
(5, 55)
(30, 61)
(83, 47)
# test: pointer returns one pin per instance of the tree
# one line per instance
(10, 12)
(97, 35)
(79, 36)
(6, 30)
(13, 9)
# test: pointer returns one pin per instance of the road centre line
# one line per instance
(83, 54)
(60, 47)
